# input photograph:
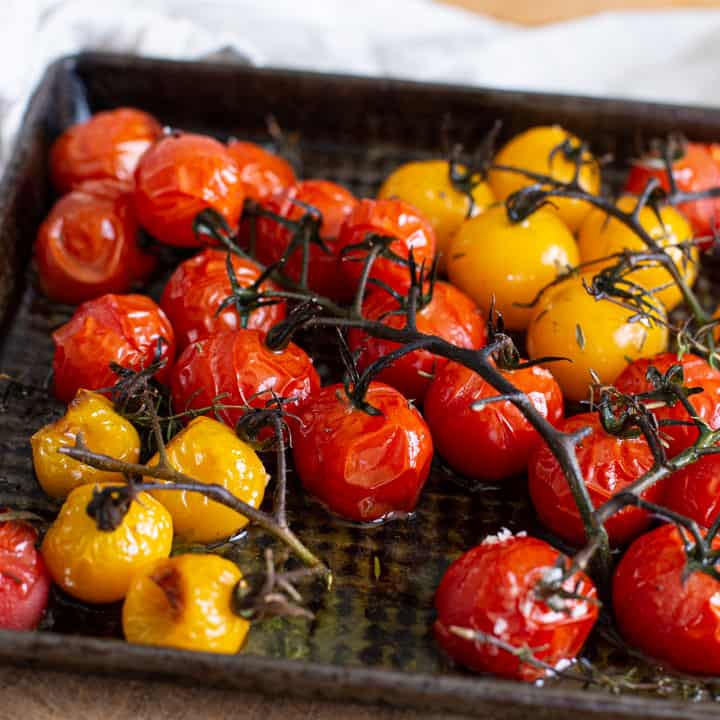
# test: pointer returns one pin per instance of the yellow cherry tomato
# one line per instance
(94, 565)
(210, 452)
(601, 236)
(593, 334)
(185, 602)
(535, 150)
(491, 256)
(103, 430)
(426, 185)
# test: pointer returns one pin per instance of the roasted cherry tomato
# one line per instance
(665, 607)
(130, 330)
(495, 441)
(694, 491)
(493, 257)
(107, 146)
(694, 171)
(594, 334)
(696, 373)
(551, 151)
(95, 565)
(103, 431)
(601, 236)
(185, 602)
(450, 314)
(491, 589)
(197, 288)
(394, 219)
(608, 464)
(262, 173)
(235, 369)
(324, 206)
(88, 244)
(427, 185)
(363, 467)
(181, 175)
(24, 579)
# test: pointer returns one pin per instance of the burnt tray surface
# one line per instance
(371, 638)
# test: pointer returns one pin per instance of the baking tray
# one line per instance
(370, 640)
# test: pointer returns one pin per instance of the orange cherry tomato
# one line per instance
(263, 173)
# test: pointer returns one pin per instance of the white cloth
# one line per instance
(664, 55)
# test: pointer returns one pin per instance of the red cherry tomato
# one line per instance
(693, 172)
(107, 146)
(501, 439)
(88, 244)
(608, 464)
(390, 218)
(491, 589)
(696, 373)
(237, 365)
(181, 175)
(198, 287)
(126, 329)
(665, 608)
(331, 203)
(24, 579)
(363, 467)
(450, 314)
(262, 173)
(694, 491)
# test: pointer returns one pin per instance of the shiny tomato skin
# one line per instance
(669, 614)
(124, 329)
(181, 175)
(362, 467)
(24, 579)
(696, 373)
(334, 203)
(390, 218)
(694, 491)
(608, 464)
(263, 173)
(494, 442)
(197, 288)
(450, 314)
(107, 146)
(238, 365)
(491, 589)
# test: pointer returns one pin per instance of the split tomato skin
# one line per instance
(107, 146)
(608, 465)
(130, 330)
(450, 315)
(363, 467)
(494, 442)
(24, 578)
(262, 173)
(491, 589)
(193, 295)
(181, 175)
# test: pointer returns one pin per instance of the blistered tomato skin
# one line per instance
(450, 315)
(94, 565)
(667, 612)
(491, 589)
(181, 175)
(494, 442)
(238, 366)
(125, 329)
(394, 219)
(193, 295)
(362, 467)
(24, 579)
(185, 602)
(103, 431)
(107, 146)
(262, 173)
(608, 465)
(694, 491)
(210, 452)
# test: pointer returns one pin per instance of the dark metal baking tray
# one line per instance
(371, 640)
